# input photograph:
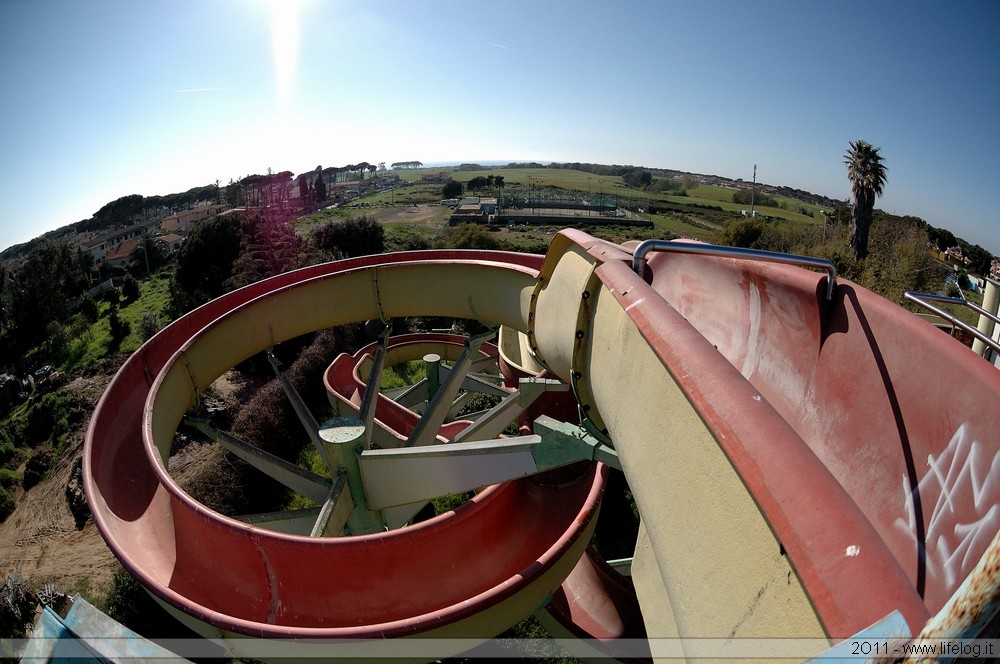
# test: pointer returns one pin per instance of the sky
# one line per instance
(104, 98)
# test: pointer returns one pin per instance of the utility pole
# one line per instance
(753, 190)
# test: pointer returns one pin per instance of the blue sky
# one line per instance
(106, 98)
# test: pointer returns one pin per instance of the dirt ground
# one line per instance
(40, 541)
(431, 215)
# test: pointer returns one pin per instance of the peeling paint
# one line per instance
(272, 583)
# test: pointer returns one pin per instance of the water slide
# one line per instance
(808, 459)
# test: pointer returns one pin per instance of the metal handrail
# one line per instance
(647, 246)
(919, 299)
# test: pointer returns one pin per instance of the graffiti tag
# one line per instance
(963, 485)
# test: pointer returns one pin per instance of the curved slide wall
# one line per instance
(501, 554)
(790, 457)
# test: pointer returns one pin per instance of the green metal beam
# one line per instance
(312, 486)
(395, 477)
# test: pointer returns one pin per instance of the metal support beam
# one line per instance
(312, 486)
(336, 510)
(370, 399)
(437, 410)
(410, 395)
(344, 438)
(475, 383)
(494, 421)
(432, 371)
(411, 475)
(299, 406)
(291, 522)
(407, 475)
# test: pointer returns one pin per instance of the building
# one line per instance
(473, 209)
(102, 245)
(435, 178)
(170, 242)
(184, 221)
(124, 253)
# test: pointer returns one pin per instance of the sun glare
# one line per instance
(285, 21)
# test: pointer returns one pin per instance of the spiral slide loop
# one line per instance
(471, 572)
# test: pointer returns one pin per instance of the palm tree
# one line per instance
(866, 171)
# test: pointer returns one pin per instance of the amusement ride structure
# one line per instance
(807, 459)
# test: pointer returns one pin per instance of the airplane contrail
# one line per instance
(187, 90)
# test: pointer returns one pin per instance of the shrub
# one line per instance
(149, 325)
(119, 328)
(6, 446)
(470, 236)
(36, 468)
(7, 504)
(10, 478)
(46, 419)
(130, 289)
(88, 307)
(128, 603)
(353, 237)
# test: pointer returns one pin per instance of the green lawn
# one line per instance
(699, 215)
(93, 343)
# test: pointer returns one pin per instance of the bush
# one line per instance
(88, 307)
(149, 325)
(47, 419)
(10, 478)
(349, 238)
(6, 446)
(7, 505)
(130, 289)
(112, 296)
(36, 469)
(745, 197)
(119, 328)
(470, 236)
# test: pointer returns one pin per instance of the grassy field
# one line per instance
(95, 341)
(554, 180)
(411, 213)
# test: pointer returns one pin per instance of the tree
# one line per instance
(120, 328)
(40, 294)
(130, 289)
(204, 263)
(866, 171)
(942, 237)
(498, 183)
(150, 254)
(638, 178)
(3, 300)
(304, 193)
(452, 190)
(749, 233)
(319, 187)
(268, 246)
(478, 182)
(744, 197)
(235, 196)
(349, 238)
